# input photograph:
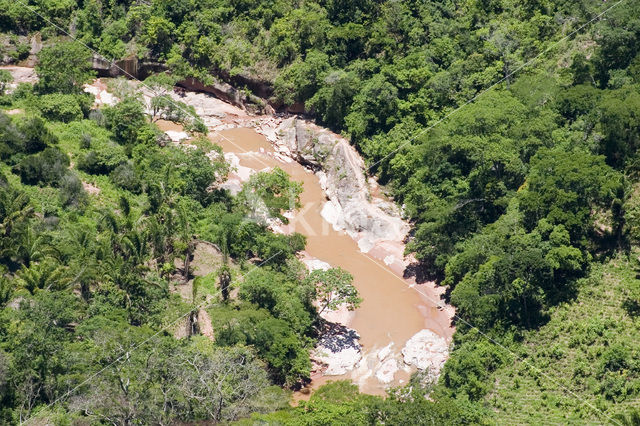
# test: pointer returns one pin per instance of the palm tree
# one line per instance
(46, 275)
(33, 246)
(186, 238)
(78, 246)
(15, 213)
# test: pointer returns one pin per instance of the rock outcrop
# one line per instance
(340, 169)
(338, 349)
(426, 351)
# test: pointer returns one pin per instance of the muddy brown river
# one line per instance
(391, 311)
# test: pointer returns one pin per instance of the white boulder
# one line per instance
(426, 350)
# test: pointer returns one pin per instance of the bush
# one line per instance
(102, 159)
(12, 139)
(98, 117)
(60, 107)
(124, 176)
(72, 193)
(36, 135)
(5, 79)
(47, 167)
(22, 91)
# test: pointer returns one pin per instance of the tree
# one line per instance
(565, 187)
(38, 346)
(224, 278)
(64, 67)
(269, 194)
(15, 213)
(5, 79)
(334, 288)
(157, 35)
(125, 120)
(168, 381)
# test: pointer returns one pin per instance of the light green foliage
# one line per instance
(270, 194)
(63, 107)
(5, 79)
(63, 67)
(333, 288)
(340, 403)
(584, 348)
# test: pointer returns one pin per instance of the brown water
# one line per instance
(391, 311)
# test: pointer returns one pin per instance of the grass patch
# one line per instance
(584, 364)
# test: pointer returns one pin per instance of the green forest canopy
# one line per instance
(523, 204)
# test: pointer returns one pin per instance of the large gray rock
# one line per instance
(342, 175)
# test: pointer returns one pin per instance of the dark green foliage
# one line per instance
(126, 119)
(274, 339)
(467, 371)
(36, 135)
(12, 139)
(565, 187)
(15, 212)
(47, 167)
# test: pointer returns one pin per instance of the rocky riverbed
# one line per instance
(350, 205)
(404, 326)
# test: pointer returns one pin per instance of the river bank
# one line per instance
(401, 326)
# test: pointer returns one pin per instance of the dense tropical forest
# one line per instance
(508, 131)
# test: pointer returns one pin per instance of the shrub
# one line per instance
(124, 176)
(102, 159)
(72, 193)
(60, 107)
(5, 79)
(12, 139)
(47, 167)
(98, 116)
(36, 135)
(22, 91)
